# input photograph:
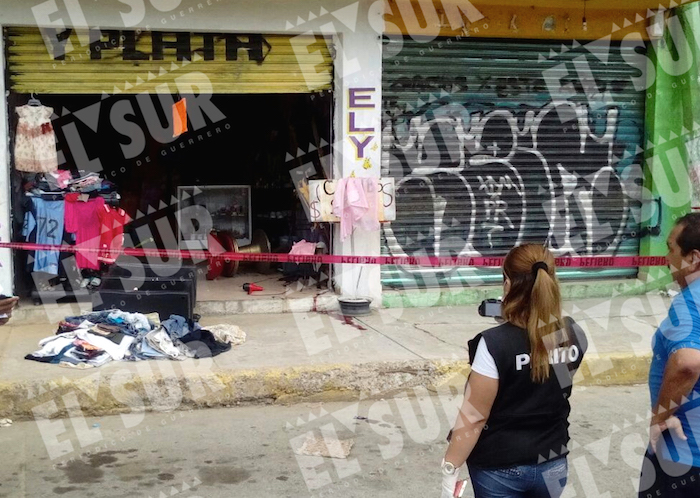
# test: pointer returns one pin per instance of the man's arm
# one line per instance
(680, 376)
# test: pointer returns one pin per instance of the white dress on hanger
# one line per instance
(35, 141)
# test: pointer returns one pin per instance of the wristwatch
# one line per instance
(448, 468)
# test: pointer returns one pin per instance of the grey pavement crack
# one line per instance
(415, 325)
(390, 338)
(637, 318)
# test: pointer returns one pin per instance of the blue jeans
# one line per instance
(545, 480)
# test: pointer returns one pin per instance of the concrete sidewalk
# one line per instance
(298, 356)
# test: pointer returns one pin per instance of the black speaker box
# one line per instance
(150, 284)
(157, 272)
(165, 303)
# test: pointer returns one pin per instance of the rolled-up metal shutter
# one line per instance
(113, 61)
(494, 143)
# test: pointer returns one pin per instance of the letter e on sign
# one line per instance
(356, 96)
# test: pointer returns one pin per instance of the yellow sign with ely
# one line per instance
(113, 61)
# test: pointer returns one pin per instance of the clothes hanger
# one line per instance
(33, 101)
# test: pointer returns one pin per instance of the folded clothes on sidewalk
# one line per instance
(52, 349)
(172, 347)
(105, 329)
(177, 326)
(230, 334)
(116, 351)
(76, 358)
(85, 346)
(93, 339)
(64, 326)
(143, 351)
(204, 344)
(128, 323)
(80, 346)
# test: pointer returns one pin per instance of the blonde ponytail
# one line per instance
(533, 302)
(543, 324)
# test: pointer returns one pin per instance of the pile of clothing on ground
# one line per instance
(94, 339)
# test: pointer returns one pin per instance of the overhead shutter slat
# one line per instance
(290, 64)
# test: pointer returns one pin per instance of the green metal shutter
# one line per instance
(487, 156)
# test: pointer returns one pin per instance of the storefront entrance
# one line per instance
(227, 182)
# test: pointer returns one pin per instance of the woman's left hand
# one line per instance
(450, 481)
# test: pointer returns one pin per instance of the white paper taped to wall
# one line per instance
(321, 200)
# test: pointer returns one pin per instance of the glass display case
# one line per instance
(213, 207)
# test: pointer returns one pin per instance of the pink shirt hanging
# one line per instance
(112, 232)
(83, 219)
(355, 203)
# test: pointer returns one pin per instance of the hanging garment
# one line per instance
(83, 219)
(112, 233)
(35, 141)
(46, 217)
(355, 203)
(179, 118)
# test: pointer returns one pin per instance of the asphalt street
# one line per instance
(250, 451)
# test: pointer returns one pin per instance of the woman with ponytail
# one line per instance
(512, 429)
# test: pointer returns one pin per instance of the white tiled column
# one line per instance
(6, 270)
(357, 150)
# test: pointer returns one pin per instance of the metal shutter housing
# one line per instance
(136, 62)
(494, 143)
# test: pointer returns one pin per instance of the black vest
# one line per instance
(528, 422)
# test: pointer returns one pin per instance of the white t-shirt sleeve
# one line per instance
(484, 363)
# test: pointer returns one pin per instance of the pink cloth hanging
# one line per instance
(303, 248)
(83, 219)
(355, 203)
